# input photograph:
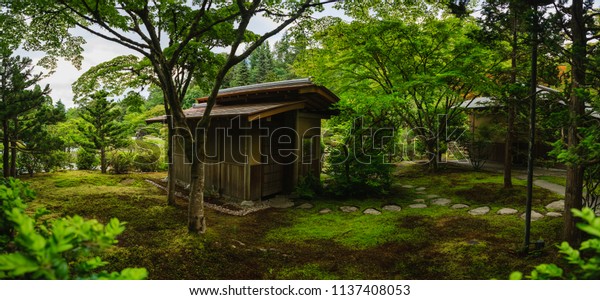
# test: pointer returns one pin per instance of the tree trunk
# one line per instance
(196, 219)
(171, 168)
(574, 188)
(510, 122)
(13, 149)
(103, 166)
(5, 151)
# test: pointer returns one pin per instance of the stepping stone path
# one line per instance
(507, 211)
(247, 203)
(420, 189)
(556, 206)
(348, 209)
(408, 186)
(419, 200)
(280, 202)
(534, 215)
(459, 206)
(441, 201)
(553, 214)
(479, 211)
(392, 207)
(432, 196)
(371, 211)
(417, 205)
(325, 211)
(305, 206)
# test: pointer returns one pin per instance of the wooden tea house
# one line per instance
(262, 139)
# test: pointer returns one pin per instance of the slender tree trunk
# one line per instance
(103, 166)
(574, 188)
(196, 218)
(171, 168)
(510, 122)
(13, 149)
(5, 151)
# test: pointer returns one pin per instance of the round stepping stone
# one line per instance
(554, 214)
(417, 205)
(419, 200)
(556, 206)
(459, 206)
(408, 186)
(305, 206)
(247, 203)
(324, 211)
(420, 189)
(392, 207)
(348, 209)
(281, 203)
(420, 193)
(534, 215)
(371, 211)
(441, 201)
(432, 196)
(479, 211)
(507, 211)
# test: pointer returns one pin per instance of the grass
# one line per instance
(432, 243)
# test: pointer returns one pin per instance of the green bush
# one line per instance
(308, 187)
(147, 156)
(87, 160)
(65, 248)
(356, 174)
(120, 161)
(585, 260)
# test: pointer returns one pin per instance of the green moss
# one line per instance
(432, 243)
(305, 272)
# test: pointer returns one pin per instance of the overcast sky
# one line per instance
(97, 50)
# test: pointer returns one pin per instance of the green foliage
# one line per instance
(308, 187)
(86, 160)
(121, 161)
(14, 194)
(101, 130)
(147, 156)
(585, 261)
(65, 248)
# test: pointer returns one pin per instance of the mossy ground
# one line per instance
(431, 243)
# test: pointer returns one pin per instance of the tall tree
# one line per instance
(261, 64)
(173, 36)
(19, 95)
(101, 129)
(425, 67)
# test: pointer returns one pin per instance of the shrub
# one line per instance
(65, 248)
(308, 187)
(86, 160)
(357, 174)
(147, 156)
(586, 260)
(120, 161)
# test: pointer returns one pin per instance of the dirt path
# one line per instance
(520, 173)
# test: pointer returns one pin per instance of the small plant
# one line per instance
(308, 187)
(147, 156)
(121, 162)
(65, 248)
(586, 260)
(87, 160)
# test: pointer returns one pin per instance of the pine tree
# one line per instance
(261, 65)
(101, 130)
(19, 95)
